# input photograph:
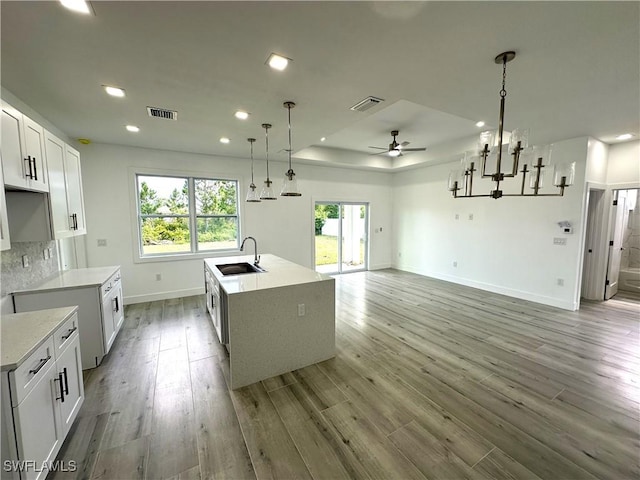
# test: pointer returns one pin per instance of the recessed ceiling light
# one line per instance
(241, 115)
(224, 140)
(277, 62)
(132, 128)
(480, 124)
(80, 6)
(113, 91)
(624, 136)
(323, 139)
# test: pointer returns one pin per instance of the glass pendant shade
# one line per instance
(290, 184)
(488, 138)
(267, 192)
(252, 193)
(566, 171)
(455, 180)
(534, 175)
(519, 135)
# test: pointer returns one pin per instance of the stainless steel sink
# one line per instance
(239, 268)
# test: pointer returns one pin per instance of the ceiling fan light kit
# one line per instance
(490, 151)
(395, 149)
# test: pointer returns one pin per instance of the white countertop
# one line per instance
(79, 277)
(279, 273)
(23, 333)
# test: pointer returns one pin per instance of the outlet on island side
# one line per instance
(158, 277)
(301, 310)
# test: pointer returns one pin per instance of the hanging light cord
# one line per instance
(266, 138)
(289, 108)
(251, 142)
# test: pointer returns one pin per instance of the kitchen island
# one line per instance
(271, 322)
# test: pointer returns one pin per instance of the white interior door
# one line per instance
(615, 247)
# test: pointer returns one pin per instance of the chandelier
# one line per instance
(536, 160)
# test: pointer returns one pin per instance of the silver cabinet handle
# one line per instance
(43, 362)
(69, 333)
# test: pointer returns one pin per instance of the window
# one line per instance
(178, 215)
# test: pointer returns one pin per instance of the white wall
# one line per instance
(284, 227)
(623, 169)
(507, 247)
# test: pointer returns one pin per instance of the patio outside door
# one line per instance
(341, 243)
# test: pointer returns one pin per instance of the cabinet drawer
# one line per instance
(112, 283)
(65, 334)
(29, 373)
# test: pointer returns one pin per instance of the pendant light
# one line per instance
(267, 189)
(290, 185)
(252, 194)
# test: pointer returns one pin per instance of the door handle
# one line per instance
(66, 381)
(60, 380)
(117, 304)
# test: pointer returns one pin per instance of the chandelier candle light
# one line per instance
(290, 185)
(267, 189)
(461, 181)
(252, 194)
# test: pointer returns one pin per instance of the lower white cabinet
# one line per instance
(98, 294)
(40, 400)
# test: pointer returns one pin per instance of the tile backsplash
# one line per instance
(15, 276)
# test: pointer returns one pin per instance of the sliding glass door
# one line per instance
(341, 243)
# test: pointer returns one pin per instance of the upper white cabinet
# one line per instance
(65, 188)
(5, 242)
(23, 161)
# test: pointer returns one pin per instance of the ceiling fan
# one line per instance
(395, 149)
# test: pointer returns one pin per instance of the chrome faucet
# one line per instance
(256, 259)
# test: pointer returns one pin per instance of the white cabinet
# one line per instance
(5, 241)
(98, 294)
(112, 309)
(65, 188)
(23, 160)
(41, 398)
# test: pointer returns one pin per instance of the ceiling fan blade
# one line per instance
(379, 148)
(422, 149)
(386, 152)
(404, 144)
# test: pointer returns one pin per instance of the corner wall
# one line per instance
(504, 246)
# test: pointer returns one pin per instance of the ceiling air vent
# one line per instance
(367, 103)
(162, 113)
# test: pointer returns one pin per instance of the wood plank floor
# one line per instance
(431, 380)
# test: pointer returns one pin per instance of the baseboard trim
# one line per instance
(152, 297)
(509, 292)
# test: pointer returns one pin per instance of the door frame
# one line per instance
(367, 246)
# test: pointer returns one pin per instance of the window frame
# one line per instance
(192, 216)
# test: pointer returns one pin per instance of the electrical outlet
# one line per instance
(102, 242)
(399, 254)
(158, 277)
(455, 264)
(301, 310)
(471, 216)
(560, 282)
(559, 241)
(50, 249)
(25, 261)
(457, 216)
(45, 254)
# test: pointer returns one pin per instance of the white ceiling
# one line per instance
(577, 72)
